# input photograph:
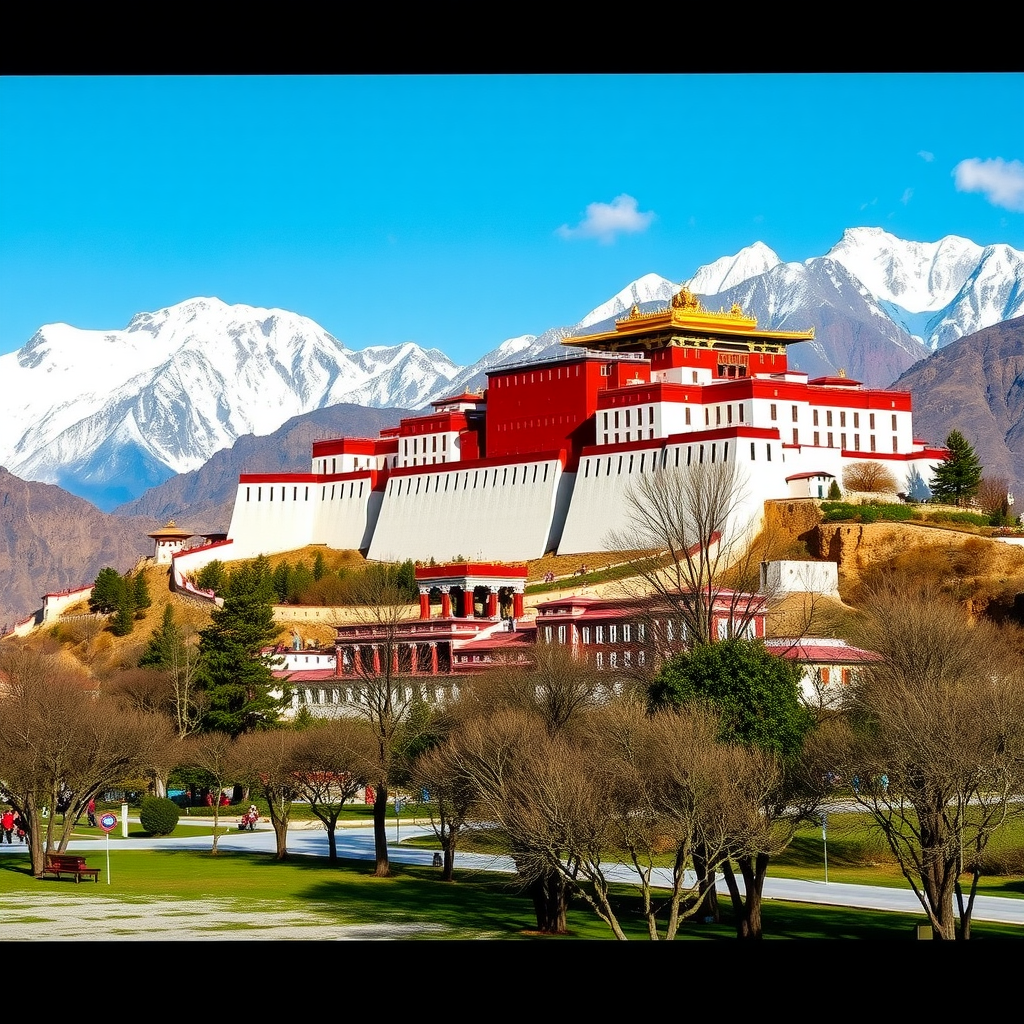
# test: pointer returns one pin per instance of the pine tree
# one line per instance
(106, 591)
(235, 675)
(957, 477)
(141, 594)
(163, 644)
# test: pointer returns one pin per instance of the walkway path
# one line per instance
(356, 843)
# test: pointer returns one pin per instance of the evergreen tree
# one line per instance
(300, 581)
(834, 494)
(319, 567)
(957, 477)
(234, 673)
(163, 645)
(282, 581)
(106, 591)
(212, 576)
(123, 621)
(141, 594)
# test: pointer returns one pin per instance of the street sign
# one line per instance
(107, 822)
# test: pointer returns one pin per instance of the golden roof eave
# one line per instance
(685, 313)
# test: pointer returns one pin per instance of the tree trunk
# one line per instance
(550, 903)
(747, 906)
(380, 838)
(332, 843)
(281, 834)
(448, 871)
(708, 910)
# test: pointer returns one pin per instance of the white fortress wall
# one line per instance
(188, 563)
(598, 504)
(599, 507)
(273, 515)
(346, 512)
(500, 511)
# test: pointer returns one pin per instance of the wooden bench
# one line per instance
(59, 865)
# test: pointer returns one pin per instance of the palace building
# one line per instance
(543, 459)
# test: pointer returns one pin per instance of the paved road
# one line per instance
(357, 843)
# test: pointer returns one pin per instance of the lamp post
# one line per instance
(824, 840)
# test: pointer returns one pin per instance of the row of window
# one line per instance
(842, 441)
(337, 490)
(624, 632)
(553, 374)
(795, 412)
(519, 474)
(842, 419)
(433, 444)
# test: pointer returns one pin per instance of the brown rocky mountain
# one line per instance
(202, 500)
(976, 385)
(50, 541)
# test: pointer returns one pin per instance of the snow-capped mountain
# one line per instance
(107, 414)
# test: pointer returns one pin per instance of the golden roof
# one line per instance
(683, 314)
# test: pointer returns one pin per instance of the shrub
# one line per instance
(159, 816)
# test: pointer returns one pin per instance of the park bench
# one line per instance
(68, 864)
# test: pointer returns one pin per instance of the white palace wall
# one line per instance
(502, 513)
(599, 506)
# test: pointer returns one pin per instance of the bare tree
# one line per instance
(212, 753)
(557, 690)
(994, 496)
(453, 797)
(869, 476)
(267, 760)
(678, 789)
(701, 558)
(382, 696)
(935, 742)
(60, 741)
(329, 768)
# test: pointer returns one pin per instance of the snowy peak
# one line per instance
(649, 288)
(730, 271)
(918, 276)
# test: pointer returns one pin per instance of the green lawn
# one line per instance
(477, 905)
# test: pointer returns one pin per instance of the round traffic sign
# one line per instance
(107, 821)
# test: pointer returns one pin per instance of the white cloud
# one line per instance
(606, 220)
(1002, 181)
(905, 198)
(874, 202)
(925, 155)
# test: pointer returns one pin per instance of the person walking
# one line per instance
(7, 825)
(91, 812)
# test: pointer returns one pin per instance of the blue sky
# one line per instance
(457, 211)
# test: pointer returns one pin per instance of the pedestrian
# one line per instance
(18, 827)
(856, 784)
(884, 780)
(91, 812)
(7, 826)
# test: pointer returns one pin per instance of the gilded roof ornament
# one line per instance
(685, 299)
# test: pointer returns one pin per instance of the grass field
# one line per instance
(252, 894)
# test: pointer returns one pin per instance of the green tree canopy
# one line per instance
(164, 644)
(958, 476)
(235, 675)
(107, 591)
(755, 693)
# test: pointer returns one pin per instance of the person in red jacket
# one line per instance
(7, 824)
